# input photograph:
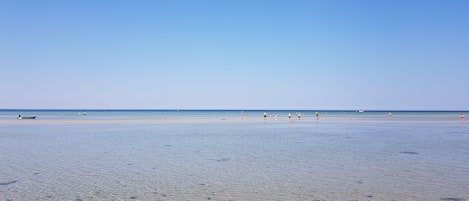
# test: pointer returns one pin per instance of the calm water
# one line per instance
(341, 156)
(226, 114)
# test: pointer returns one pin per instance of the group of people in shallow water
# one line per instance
(298, 114)
(290, 118)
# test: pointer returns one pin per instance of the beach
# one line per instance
(234, 100)
(222, 155)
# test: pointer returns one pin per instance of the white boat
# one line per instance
(361, 110)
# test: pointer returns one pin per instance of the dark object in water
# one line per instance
(8, 183)
(220, 160)
(453, 199)
(27, 117)
(409, 152)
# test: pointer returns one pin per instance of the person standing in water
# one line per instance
(390, 115)
(265, 115)
(299, 115)
(461, 117)
(317, 115)
(289, 116)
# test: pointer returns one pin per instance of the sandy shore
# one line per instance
(252, 120)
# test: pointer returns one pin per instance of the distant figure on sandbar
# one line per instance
(299, 115)
(461, 117)
(317, 115)
(19, 117)
(265, 115)
(390, 115)
(289, 116)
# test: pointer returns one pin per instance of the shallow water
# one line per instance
(247, 160)
(307, 115)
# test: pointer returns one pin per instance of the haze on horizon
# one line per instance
(387, 55)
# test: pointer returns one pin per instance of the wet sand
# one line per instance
(226, 120)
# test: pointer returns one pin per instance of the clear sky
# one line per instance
(235, 54)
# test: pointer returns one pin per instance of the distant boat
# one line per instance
(361, 110)
(26, 117)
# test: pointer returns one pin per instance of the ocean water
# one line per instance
(223, 155)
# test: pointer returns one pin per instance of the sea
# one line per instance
(234, 155)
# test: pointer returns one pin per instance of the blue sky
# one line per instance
(336, 54)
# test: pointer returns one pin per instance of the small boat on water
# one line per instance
(26, 117)
(361, 110)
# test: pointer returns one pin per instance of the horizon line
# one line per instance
(176, 109)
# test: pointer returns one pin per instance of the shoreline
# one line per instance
(326, 120)
(230, 110)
